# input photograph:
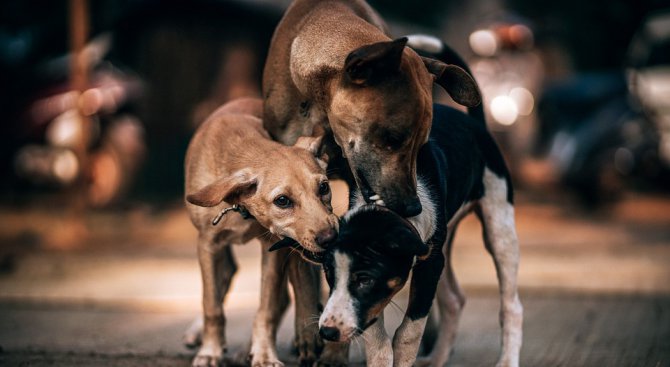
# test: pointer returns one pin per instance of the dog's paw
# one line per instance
(507, 363)
(267, 359)
(267, 363)
(208, 357)
(207, 361)
(193, 335)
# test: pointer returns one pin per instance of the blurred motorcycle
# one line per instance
(609, 131)
(59, 120)
(509, 72)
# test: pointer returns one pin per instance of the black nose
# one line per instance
(330, 333)
(325, 237)
(410, 208)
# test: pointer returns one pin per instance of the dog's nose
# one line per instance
(330, 333)
(411, 208)
(325, 237)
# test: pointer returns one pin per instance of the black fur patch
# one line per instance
(381, 246)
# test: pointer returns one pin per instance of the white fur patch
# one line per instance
(425, 221)
(425, 42)
(407, 340)
(378, 347)
(339, 311)
(498, 217)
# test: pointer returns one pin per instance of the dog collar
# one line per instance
(235, 208)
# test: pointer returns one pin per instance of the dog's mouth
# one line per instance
(368, 193)
(311, 256)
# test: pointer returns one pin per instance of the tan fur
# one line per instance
(234, 144)
(231, 157)
(306, 93)
(305, 64)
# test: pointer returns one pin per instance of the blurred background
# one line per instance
(100, 98)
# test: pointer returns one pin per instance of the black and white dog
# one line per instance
(460, 170)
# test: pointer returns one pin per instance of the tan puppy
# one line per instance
(231, 161)
(331, 67)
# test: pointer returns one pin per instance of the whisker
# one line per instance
(310, 323)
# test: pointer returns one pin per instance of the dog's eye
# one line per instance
(364, 282)
(392, 140)
(324, 188)
(283, 202)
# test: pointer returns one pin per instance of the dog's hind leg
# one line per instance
(450, 300)
(218, 267)
(304, 278)
(263, 352)
(497, 216)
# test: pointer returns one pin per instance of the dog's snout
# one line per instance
(330, 333)
(325, 237)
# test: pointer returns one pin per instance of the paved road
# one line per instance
(560, 330)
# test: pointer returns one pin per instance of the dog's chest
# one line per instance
(426, 222)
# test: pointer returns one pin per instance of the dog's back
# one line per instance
(331, 26)
(453, 161)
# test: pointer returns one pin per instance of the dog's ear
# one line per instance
(457, 82)
(406, 241)
(315, 146)
(369, 64)
(231, 189)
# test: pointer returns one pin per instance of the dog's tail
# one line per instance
(430, 46)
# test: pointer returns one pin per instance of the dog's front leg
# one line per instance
(407, 338)
(273, 283)
(450, 300)
(378, 347)
(217, 266)
(304, 278)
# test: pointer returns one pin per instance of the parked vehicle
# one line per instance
(58, 120)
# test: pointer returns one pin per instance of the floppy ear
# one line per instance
(231, 189)
(456, 81)
(407, 241)
(315, 146)
(371, 63)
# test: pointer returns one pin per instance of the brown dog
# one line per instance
(331, 67)
(231, 163)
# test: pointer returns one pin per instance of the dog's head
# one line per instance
(365, 267)
(380, 113)
(287, 192)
